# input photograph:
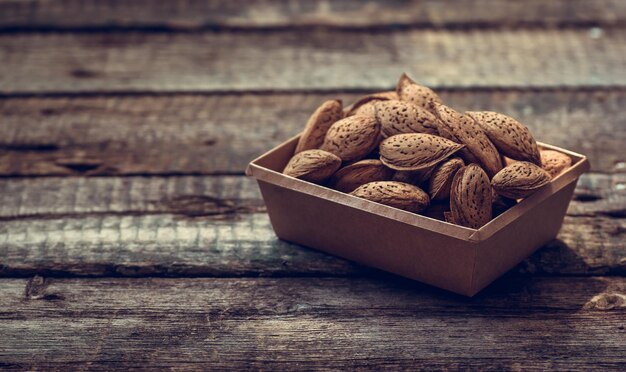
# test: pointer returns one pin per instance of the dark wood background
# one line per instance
(129, 236)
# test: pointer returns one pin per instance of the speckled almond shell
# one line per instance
(397, 117)
(348, 178)
(312, 165)
(394, 194)
(463, 129)
(368, 109)
(317, 125)
(519, 180)
(554, 162)
(508, 135)
(413, 177)
(370, 98)
(441, 179)
(410, 91)
(415, 151)
(352, 138)
(470, 197)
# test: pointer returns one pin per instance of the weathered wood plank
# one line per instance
(280, 13)
(308, 59)
(312, 323)
(207, 226)
(218, 197)
(208, 134)
(245, 245)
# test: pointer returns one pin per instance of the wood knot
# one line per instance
(606, 301)
(36, 290)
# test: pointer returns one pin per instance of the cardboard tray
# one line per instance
(456, 258)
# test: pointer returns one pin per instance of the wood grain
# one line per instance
(208, 226)
(311, 323)
(308, 59)
(217, 134)
(192, 14)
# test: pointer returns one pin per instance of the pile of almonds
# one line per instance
(406, 149)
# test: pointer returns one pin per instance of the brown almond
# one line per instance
(508, 161)
(520, 180)
(352, 138)
(348, 178)
(470, 197)
(437, 210)
(554, 162)
(501, 204)
(463, 129)
(415, 151)
(312, 165)
(441, 179)
(398, 117)
(370, 98)
(410, 91)
(508, 135)
(413, 177)
(318, 124)
(368, 109)
(394, 194)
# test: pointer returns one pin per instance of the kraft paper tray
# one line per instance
(445, 255)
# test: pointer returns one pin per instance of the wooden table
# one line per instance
(129, 236)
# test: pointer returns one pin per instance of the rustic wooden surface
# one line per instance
(129, 237)
(186, 14)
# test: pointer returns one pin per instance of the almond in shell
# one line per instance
(413, 177)
(519, 180)
(312, 165)
(348, 178)
(463, 129)
(318, 124)
(352, 138)
(470, 197)
(508, 135)
(370, 99)
(410, 91)
(398, 117)
(415, 151)
(394, 194)
(554, 162)
(441, 179)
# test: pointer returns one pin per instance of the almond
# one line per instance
(415, 151)
(437, 210)
(368, 109)
(370, 98)
(394, 194)
(441, 179)
(312, 165)
(501, 204)
(398, 117)
(318, 124)
(410, 91)
(508, 135)
(352, 138)
(463, 129)
(413, 177)
(470, 197)
(354, 175)
(520, 180)
(554, 162)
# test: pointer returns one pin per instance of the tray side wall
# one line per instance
(419, 254)
(518, 240)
